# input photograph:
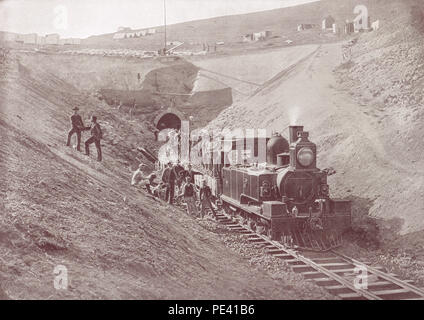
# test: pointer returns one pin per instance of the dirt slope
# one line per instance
(59, 207)
(374, 166)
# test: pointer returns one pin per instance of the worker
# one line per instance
(77, 127)
(205, 196)
(188, 192)
(168, 177)
(179, 174)
(191, 173)
(138, 175)
(96, 136)
(159, 191)
(150, 183)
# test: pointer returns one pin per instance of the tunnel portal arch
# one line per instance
(169, 119)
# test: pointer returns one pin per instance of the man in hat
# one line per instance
(138, 175)
(191, 173)
(96, 136)
(150, 183)
(188, 191)
(205, 199)
(168, 177)
(77, 127)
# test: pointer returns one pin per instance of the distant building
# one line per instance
(19, 38)
(41, 40)
(30, 38)
(305, 26)
(7, 36)
(328, 22)
(349, 27)
(151, 31)
(247, 37)
(52, 39)
(256, 36)
(118, 36)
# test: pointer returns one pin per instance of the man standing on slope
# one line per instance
(168, 177)
(77, 127)
(205, 199)
(96, 136)
(188, 191)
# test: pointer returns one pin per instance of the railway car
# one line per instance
(287, 199)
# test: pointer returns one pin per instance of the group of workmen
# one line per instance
(175, 178)
(78, 127)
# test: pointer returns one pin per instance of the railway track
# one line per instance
(334, 271)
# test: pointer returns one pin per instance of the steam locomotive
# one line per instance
(287, 199)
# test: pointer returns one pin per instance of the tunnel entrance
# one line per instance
(169, 121)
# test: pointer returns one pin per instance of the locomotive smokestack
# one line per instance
(293, 132)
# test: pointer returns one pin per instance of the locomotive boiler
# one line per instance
(286, 199)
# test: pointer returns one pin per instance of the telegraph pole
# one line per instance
(164, 10)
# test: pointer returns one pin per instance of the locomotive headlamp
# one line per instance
(305, 156)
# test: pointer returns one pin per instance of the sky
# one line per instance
(83, 18)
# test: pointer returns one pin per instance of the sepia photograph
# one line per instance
(196, 151)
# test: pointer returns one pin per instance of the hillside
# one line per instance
(229, 29)
(364, 115)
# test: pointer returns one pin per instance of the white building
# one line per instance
(151, 31)
(118, 36)
(7, 36)
(52, 39)
(30, 38)
(41, 40)
(328, 22)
